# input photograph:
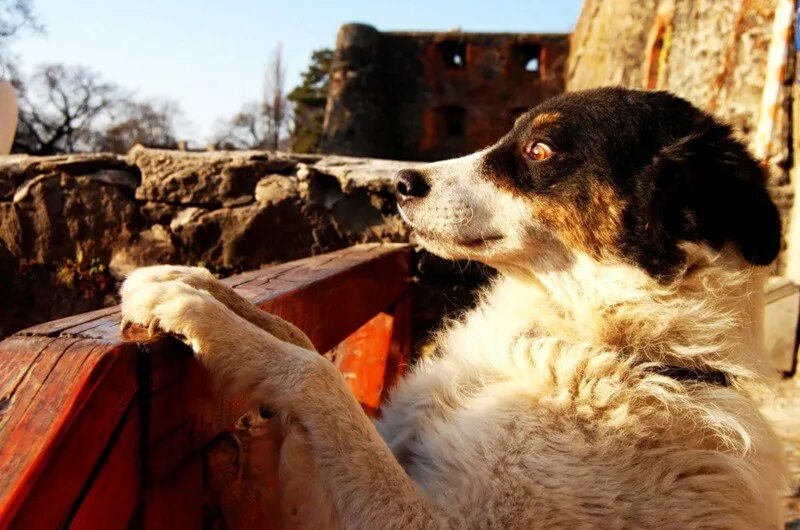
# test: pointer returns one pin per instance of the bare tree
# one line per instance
(262, 124)
(58, 109)
(15, 16)
(247, 129)
(149, 123)
(275, 102)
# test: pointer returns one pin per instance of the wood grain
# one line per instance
(62, 417)
(112, 497)
(102, 431)
(362, 358)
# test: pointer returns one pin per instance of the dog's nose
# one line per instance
(410, 183)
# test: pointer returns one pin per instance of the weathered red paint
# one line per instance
(97, 431)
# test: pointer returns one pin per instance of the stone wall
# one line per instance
(434, 95)
(72, 226)
(711, 52)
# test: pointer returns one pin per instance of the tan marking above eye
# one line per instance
(546, 118)
(538, 151)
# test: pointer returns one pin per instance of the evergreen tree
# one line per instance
(309, 100)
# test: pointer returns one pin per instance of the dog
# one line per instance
(602, 379)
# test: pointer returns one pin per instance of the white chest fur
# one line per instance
(532, 414)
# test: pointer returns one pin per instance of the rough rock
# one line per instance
(274, 189)
(115, 177)
(153, 245)
(54, 216)
(72, 226)
(361, 172)
(244, 237)
(15, 170)
(158, 212)
(211, 178)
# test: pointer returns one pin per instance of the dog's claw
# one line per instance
(124, 324)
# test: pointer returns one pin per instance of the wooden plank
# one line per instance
(362, 289)
(105, 328)
(362, 358)
(63, 431)
(17, 358)
(177, 502)
(177, 399)
(241, 470)
(56, 327)
(262, 287)
(263, 276)
(25, 362)
(32, 380)
(271, 286)
(183, 419)
(172, 450)
(93, 328)
(376, 355)
(65, 385)
(270, 271)
(114, 495)
(307, 270)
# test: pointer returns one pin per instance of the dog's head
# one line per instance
(611, 173)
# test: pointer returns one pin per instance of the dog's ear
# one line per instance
(704, 187)
(754, 221)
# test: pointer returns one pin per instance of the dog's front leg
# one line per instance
(368, 486)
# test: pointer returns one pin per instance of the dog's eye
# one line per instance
(539, 151)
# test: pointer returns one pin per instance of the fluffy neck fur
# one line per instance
(570, 351)
(708, 319)
(559, 331)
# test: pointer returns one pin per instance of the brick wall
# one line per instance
(428, 96)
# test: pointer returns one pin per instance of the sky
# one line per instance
(209, 56)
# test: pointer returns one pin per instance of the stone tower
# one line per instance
(354, 115)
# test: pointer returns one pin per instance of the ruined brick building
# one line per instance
(432, 95)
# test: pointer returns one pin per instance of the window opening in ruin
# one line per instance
(454, 121)
(532, 65)
(454, 54)
(530, 56)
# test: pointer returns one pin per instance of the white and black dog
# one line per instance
(601, 381)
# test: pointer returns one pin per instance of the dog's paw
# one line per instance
(197, 277)
(172, 307)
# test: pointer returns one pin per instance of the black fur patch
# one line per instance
(679, 174)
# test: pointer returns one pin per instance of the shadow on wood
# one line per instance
(101, 432)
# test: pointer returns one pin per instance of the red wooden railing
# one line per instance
(100, 431)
